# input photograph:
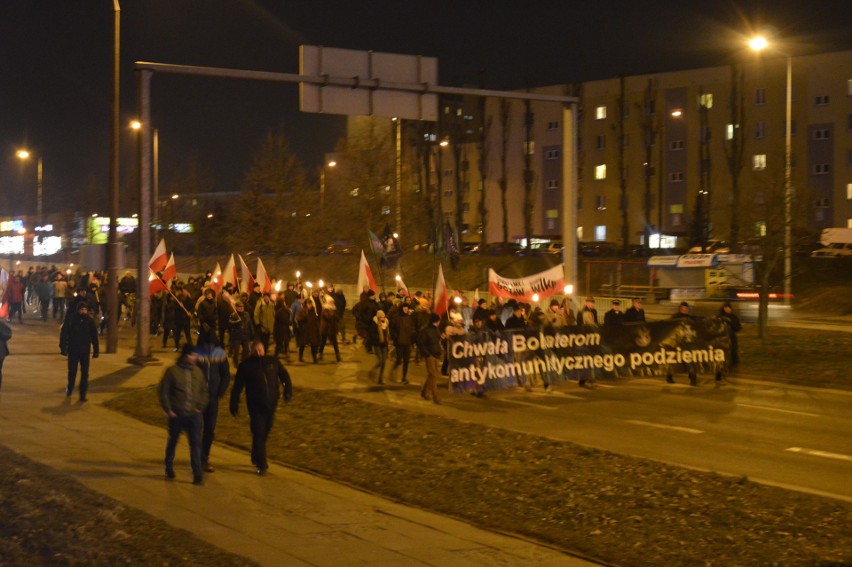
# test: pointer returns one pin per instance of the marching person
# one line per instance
(379, 339)
(683, 313)
(183, 396)
(636, 313)
(213, 362)
(260, 375)
(429, 343)
(264, 319)
(614, 317)
(78, 337)
(329, 321)
(726, 312)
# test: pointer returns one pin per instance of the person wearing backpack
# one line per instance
(5, 335)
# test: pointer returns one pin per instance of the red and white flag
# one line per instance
(246, 279)
(401, 288)
(216, 280)
(159, 258)
(170, 270)
(263, 278)
(441, 295)
(155, 284)
(229, 274)
(365, 276)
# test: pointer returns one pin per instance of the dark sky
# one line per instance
(55, 66)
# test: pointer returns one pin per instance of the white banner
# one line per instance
(544, 283)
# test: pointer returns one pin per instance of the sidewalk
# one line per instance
(287, 517)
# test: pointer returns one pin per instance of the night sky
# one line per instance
(56, 65)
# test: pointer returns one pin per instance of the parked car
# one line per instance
(834, 250)
(503, 248)
(339, 247)
(713, 247)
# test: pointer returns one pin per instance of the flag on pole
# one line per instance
(155, 284)
(263, 278)
(229, 274)
(246, 279)
(391, 250)
(400, 286)
(216, 280)
(441, 295)
(4, 281)
(450, 245)
(170, 270)
(376, 244)
(159, 258)
(365, 276)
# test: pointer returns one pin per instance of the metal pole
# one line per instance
(112, 241)
(142, 355)
(156, 197)
(39, 194)
(569, 195)
(788, 188)
(398, 164)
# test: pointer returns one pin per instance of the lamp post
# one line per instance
(330, 164)
(113, 255)
(24, 154)
(758, 44)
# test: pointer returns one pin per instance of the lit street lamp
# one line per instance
(757, 44)
(24, 154)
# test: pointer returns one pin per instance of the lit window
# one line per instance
(706, 100)
(849, 191)
(600, 232)
(579, 233)
(529, 147)
(760, 129)
(760, 228)
(600, 171)
(729, 131)
(821, 168)
(758, 162)
(759, 96)
(848, 223)
(600, 112)
(849, 87)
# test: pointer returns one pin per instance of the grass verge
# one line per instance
(613, 508)
(47, 518)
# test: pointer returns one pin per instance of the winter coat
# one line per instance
(240, 327)
(281, 330)
(78, 334)
(328, 322)
(309, 324)
(403, 329)
(213, 363)
(429, 341)
(264, 316)
(14, 292)
(260, 377)
(183, 390)
(44, 290)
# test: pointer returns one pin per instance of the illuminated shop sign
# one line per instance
(16, 225)
(46, 245)
(11, 244)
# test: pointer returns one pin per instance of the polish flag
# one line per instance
(216, 280)
(229, 274)
(160, 258)
(263, 278)
(441, 295)
(246, 281)
(365, 276)
(170, 270)
(155, 284)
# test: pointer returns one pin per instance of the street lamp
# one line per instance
(759, 43)
(330, 164)
(24, 154)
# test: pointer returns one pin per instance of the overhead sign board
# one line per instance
(374, 69)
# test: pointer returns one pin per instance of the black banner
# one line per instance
(497, 360)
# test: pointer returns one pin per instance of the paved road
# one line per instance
(795, 437)
(286, 518)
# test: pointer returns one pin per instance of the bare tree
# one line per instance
(528, 173)
(649, 126)
(505, 125)
(734, 148)
(484, 132)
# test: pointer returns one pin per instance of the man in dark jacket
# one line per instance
(260, 375)
(683, 313)
(77, 338)
(404, 334)
(429, 343)
(636, 313)
(614, 317)
(183, 396)
(213, 362)
(208, 317)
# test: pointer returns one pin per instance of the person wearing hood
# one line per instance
(404, 335)
(78, 337)
(184, 396)
(264, 319)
